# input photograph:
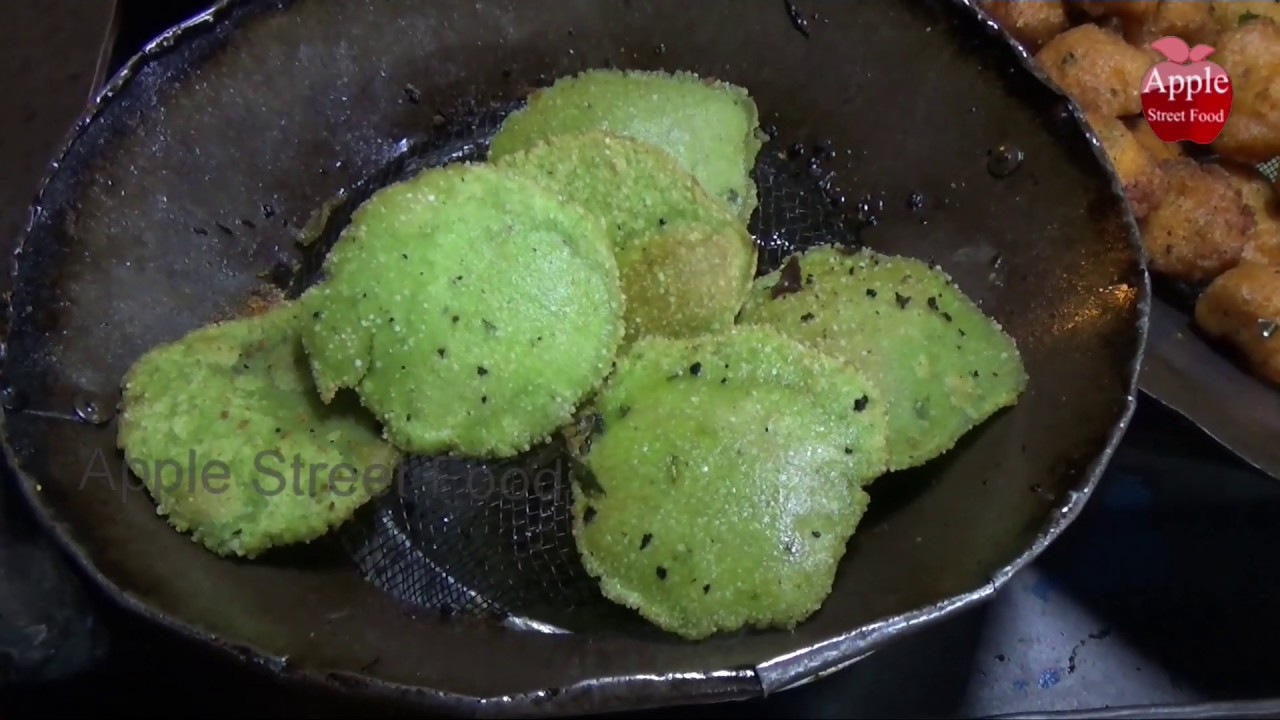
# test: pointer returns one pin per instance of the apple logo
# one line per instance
(1186, 97)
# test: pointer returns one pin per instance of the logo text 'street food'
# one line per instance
(1186, 97)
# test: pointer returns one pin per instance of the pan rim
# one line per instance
(612, 693)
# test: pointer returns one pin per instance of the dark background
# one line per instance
(1164, 591)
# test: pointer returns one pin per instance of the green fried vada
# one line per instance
(686, 263)
(944, 366)
(234, 403)
(709, 126)
(722, 479)
(470, 309)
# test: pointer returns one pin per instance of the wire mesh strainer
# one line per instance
(1271, 169)
(493, 538)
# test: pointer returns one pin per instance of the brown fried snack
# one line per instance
(1098, 69)
(1138, 170)
(1146, 137)
(1241, 308)
(1260, 197)
(1201, 225)
(1229, 14)
(1250, 53)
(1031, 22)
(1130, 15)
(1191, 20)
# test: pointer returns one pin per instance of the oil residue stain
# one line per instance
(1073, 659)
(1004, 161)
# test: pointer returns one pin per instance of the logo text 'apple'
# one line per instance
(1186, 98)
(1186, 85)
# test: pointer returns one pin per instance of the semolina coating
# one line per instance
(1250, 55)
(723, 479)
(1236, 308)
(1137, 166)
(470, 309)
(709, 126)
(1097, 69)
(274, 465)
(685, 262)
(688, 280)
(943, 366)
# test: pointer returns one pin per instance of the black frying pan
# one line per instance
(181, 194)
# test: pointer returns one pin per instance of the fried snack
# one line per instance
(214, 423)
(686, 280)
(1241, 308)
(1130, 15)
(685, 261)
(470, 309)
(942, 365)
(1097, 69)
(709, 126)
(1231, 14)
(1157, 148)
(1140, 10)
(1260, 198)
(1250, 53)
(1138, 169)
(1191, 20)
(723, 480)
(1031, 22)
(1201, 225)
